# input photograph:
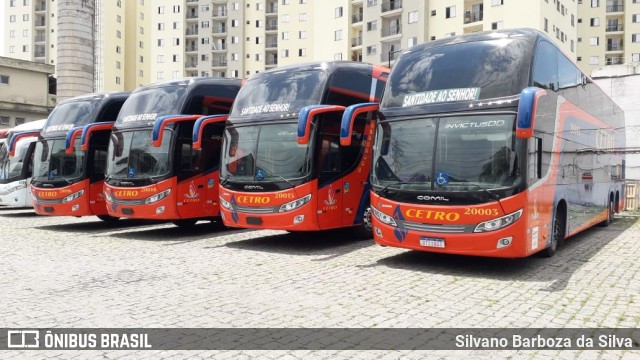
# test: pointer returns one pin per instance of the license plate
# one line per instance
(251, 220)
(432, 242)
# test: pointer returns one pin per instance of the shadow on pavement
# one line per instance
(332, 243)
(179, 235)
(558, 270)
(98, 225)
(17, 212)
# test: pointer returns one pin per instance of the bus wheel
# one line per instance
(365, 231)
(185, 223)
(107, 218)
(610, 211)
(557, 235)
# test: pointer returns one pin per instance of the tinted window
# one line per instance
(545, 69)
(146, 105)
(211, 100)
(496, 68)
(280, 92)
(349, 87)
(110, 112)
(69, 115)
(568, 73)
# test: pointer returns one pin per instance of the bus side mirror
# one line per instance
(13, 141)
(527, 107)
(349, 117)
(386, 139)
(201, 123)
(162, 121)
(306, 116)
(72, 135)
(88, 129)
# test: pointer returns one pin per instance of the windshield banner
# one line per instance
(440, 96)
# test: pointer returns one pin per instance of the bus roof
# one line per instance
(193, 81)
(524, 33)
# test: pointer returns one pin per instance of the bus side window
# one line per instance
(351, 154)
(328, 153)
(211, 146)
(535, 159)
(545, 68)
(348, 88)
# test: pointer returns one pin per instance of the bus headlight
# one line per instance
(383, 217)
(107, 195)
(157, 197)
(292, 205)
(498, 223)
(225, 204)
(73, 196)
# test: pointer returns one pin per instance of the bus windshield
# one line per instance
(11, 166)
(476, 70)
(72, 114)
(264, 153)
(457, 153)
(279, 92)
(131, 155)
(52, 163)
(148, 104)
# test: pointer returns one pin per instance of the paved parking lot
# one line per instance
(68, 272)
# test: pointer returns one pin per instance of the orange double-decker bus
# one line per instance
(493, 144)
(282, 164)
(69, 169)
(153, 171)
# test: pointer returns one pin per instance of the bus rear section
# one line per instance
(71, 156)
(494, 144)
(16, 164)
(283, 166)
(154, 171)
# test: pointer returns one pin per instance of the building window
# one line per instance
(176, 25)
(25, 33)
(573, 20)
(572, 46)
(175, 74)
(176, 41)
(258, 23)
(12, 3)
(141, 73)
(235, 39)
(635, 57)
(141, 58)
(12, 18)
(160, 42)
(12, 33)
(302, 52)
(141, 30)
(337, 56)
(20, 121)
(12, 49)
(595, 21)
(595, 3)
(176, 58)
(259, 6)
(160, 59)
(450, 34)
(285, 2)
(497, 2)
(118, 65)
(285, 35)
(371, 50)
(413, 17)
(497, 25)
(302, 17)
(205, 24)
(338, 12)
(4, 79)
(372, 3)
(372, 25)
(118, 49)
(204, 41)
(235, 23)
(337, 35)
(285, 18)
(284, 53)
(160, 75)
(546, 25)
(235, 56)
(594, 41)
(117, 79)
(160, 26)
(635, 18)
(450, 12)
(176, 8)
(594, 60)
(258, 57)
(635, 38)
(25, 17)
(412, 41)
(160, 9)
(4, 120)
(205, 8)
(259, 40)
(141, 44)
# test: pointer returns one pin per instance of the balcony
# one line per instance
(40, 22)
(612, 28)
(192, 31)
(357, 18)
(219, 47)
(191, 64)
(220, 13)
(191, 48)
(472, 16)
(391, 5)
(39, 38)
(272, 9)
(42, 6)
(392, 30)
(271, 61)
(219, 63)
(272, 44)
(272, 26)
(615, 46)
(614, 61)
(615, 8)
(356, 41)
(192, 1)
(219, 29)
(192, 15)
(39, 54)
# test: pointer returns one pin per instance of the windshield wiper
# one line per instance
(269, 173)
(224, 181)
(383, 191)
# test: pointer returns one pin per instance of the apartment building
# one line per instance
(609, 33)
(142, 41)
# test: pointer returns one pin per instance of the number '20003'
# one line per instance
(481, 211)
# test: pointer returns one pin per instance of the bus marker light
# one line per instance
(298, 219)
(378, 232)
(159, 210)
(75, 207)
(504, 242)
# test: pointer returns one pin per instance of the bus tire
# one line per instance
(185, 223)
(365, 231)
(557, 232)
(107, 218)
(610, 211)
